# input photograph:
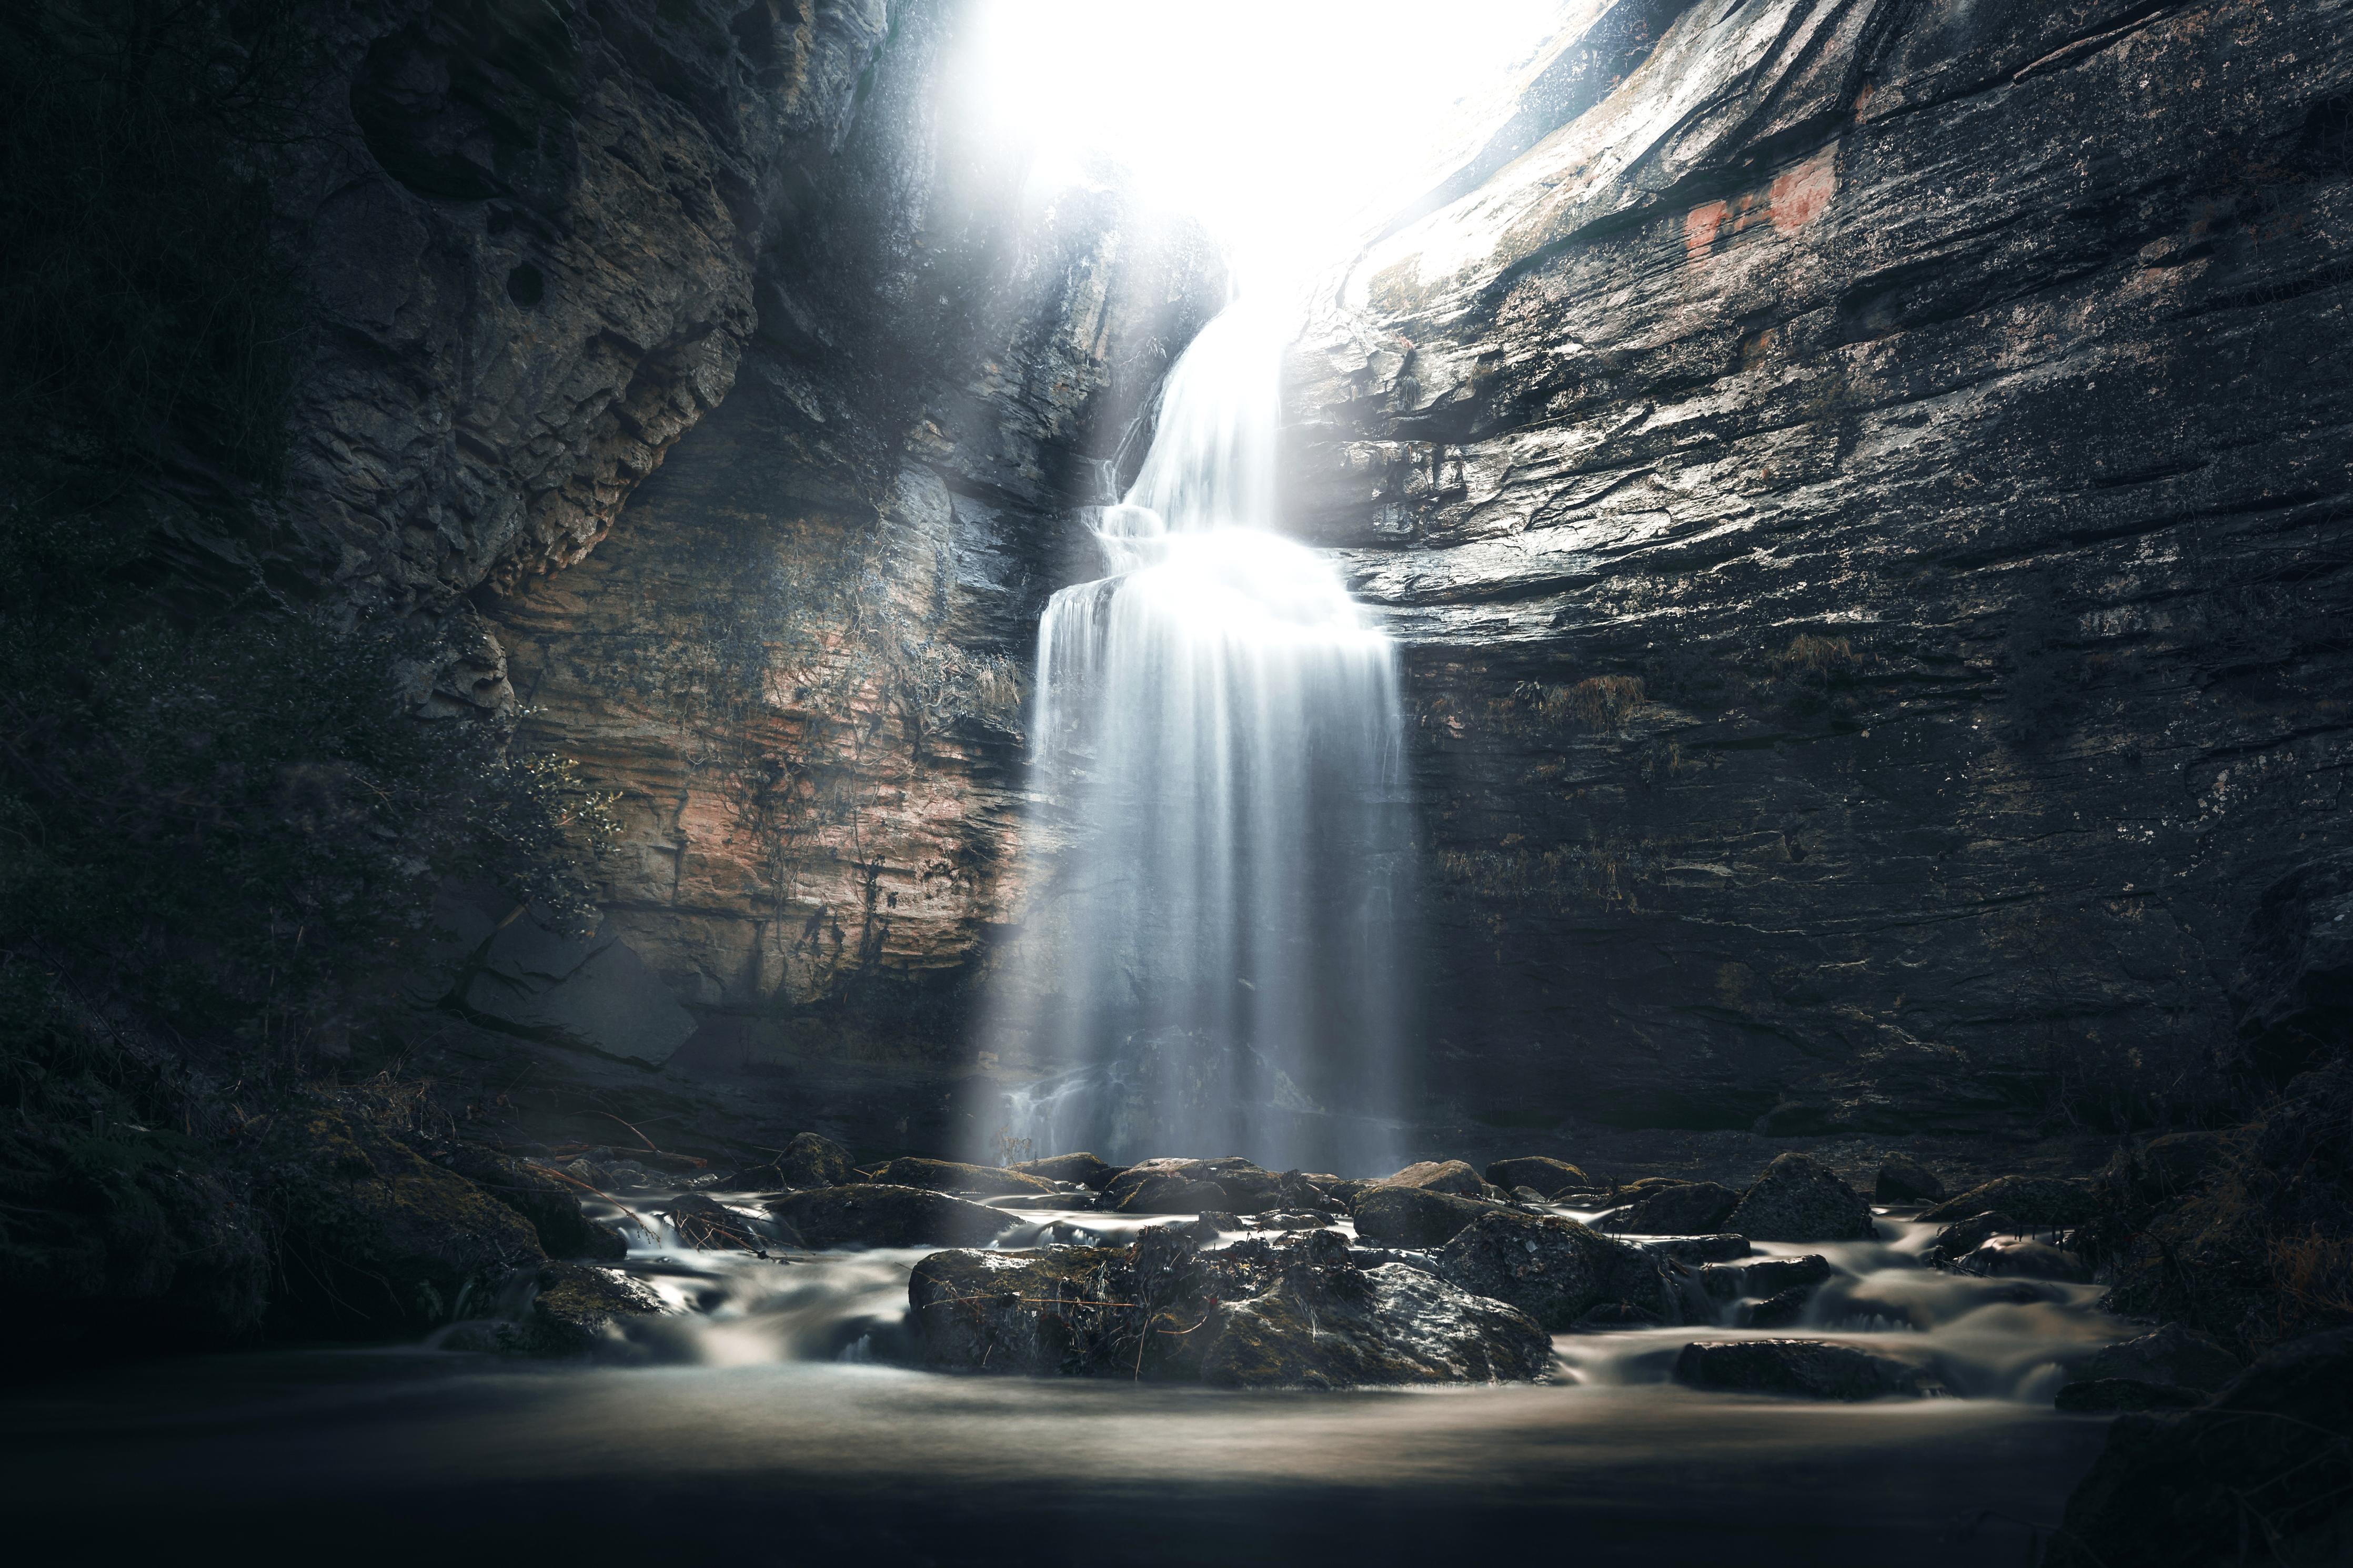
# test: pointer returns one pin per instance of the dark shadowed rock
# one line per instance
(1798, 1198)
(550, 1204)
(1436, 1176)
(949, 1176)
(1173, 1194)
(1962, 1237)
(2175, 1353)
(1767, 1277)
(1546, 1176)
(1414, 1216)
(2045, 1203)
(872, 1215)
(576, 1309)
(1085, 1169)
(380, 1238)
(1810, 1369)
(2019, 1259)
(1903, 1179)
(1685, 1208)
(2111, 1395)
(810, 1160)
(2265, 1459)
(1782, 1309)
(1553, 1269)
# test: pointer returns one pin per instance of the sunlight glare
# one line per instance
(1283, 125)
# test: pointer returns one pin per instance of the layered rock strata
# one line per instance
(1866, 504)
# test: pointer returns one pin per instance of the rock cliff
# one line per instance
(1866, 499)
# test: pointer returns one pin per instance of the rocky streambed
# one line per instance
(907, 1357)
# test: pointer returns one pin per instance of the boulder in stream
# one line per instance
(2175, 1353)
(1554, 1269)
(2045, 1203)
(870, 1214)
(1806, 1369)
(1436, 1176)
(2018, 1259)
(1086, 1170)
(810, 1160)
(1765, 1276)
(1672, 1208)
(1798, 1198)
(1415, 1217)
(1903, 1179)
(1304, 1311)
(1546, 1175)
(576, 1308)
(546, 1199)
(952, 1176)
(1165, 1186)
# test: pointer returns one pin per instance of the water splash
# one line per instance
(1217, 741)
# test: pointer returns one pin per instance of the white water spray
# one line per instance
(1215, 956)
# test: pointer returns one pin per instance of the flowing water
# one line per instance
(772, 1414)
(1217, 737)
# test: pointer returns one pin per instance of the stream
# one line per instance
(766, 1414)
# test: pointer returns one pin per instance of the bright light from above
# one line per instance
(1282, 124)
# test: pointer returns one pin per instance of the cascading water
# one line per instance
(1213, 962)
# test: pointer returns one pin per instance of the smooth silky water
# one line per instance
(772, 1414)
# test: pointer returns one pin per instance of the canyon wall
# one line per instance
(1866, 499)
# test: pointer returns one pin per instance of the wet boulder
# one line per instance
(2044, 1203)
(868, 1214)
(2015, 1258)
(1546, 1176)
(2175, 1353)
(810, 1160)
(576, 1309)
(1903, 1179)
(1414, 1216)
(536, 1191)
(1800, 1199)
(1065, 1310)
(1086, 1170)
(1962, 1237)
(1765, 1276)
(1805, 1369)
(1388, 1324)
(1169, 1193)
(2263, 1460)
(1174, 1186)
(1782, 1309)
(1553, 1269)
(1696, 1249)
(952, 1176)
(1677, 1208)
(1436, 1176)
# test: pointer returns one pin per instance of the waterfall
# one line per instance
(1214, 953)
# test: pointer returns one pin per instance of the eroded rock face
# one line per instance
(1850, 498)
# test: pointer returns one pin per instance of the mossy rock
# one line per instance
(550, 1204)
(576, 1309)
(1547, 1176)
(378, 1238)
(1553, 1269)
(1414, 1216)
(950, 1176)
